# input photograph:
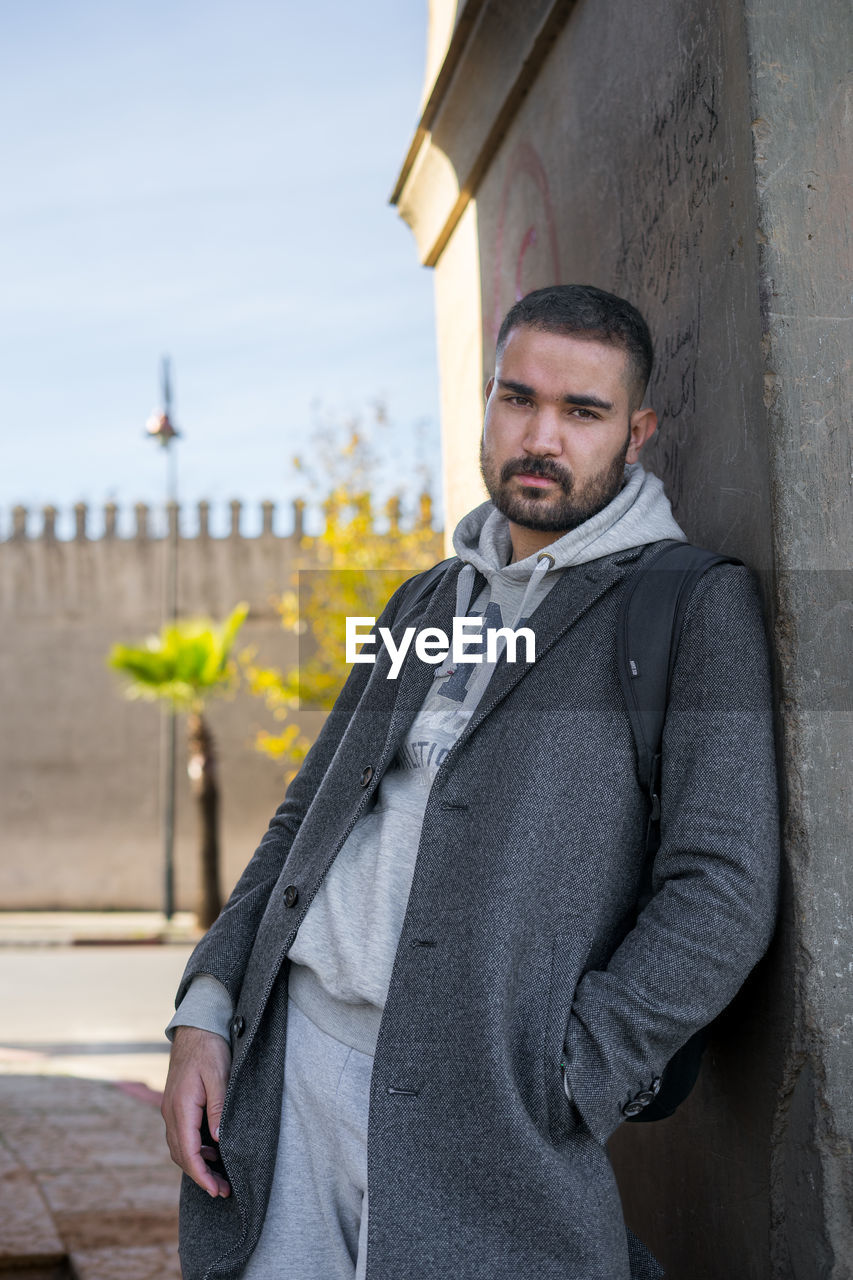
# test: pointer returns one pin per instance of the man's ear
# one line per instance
(488, 390)
(644, 423)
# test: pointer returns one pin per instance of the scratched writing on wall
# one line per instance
(662, 228)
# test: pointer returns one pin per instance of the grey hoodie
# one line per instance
(341, 960)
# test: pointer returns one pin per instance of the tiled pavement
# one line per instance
(86, 1185)
(85, 1179)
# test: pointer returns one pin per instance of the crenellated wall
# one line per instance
(122, 576)
(79, 764)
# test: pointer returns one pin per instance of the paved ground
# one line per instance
(86, 1184)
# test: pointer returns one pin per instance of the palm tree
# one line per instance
(187, 664)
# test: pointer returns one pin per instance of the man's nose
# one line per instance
(543, 435)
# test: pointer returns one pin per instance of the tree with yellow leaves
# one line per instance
(355, 567)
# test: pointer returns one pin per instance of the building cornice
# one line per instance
(493, 56)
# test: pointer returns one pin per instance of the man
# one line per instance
(440, 922)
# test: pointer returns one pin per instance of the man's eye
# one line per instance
(584, 413)
(518, 399)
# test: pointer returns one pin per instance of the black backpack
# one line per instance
(649, 626)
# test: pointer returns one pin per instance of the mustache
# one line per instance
(543, 467)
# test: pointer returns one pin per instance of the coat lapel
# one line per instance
(575, 593)
(415, 676)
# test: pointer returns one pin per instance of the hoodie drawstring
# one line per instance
(464, 587)
(544, 562)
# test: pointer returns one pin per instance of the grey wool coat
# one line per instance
(519, 936)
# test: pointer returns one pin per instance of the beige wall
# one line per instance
(460, 363)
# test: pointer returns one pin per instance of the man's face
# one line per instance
(558, 429)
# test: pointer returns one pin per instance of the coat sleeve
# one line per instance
(715, 875)
(223, 952)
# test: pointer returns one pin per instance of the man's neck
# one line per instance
(525, 542)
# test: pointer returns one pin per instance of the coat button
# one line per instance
(367, 774)
(655, 1086)
(645, 1097)
(237, 1025)
(291, 895)
(632, 1108)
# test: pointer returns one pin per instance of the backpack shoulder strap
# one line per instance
(650, 619)
(649, 626)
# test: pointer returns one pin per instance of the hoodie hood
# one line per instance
(639, 514)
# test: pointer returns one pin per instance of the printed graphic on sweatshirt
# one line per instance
(445, 712)
(456, 684)
(432, 734)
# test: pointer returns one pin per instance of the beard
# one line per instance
(550, 510)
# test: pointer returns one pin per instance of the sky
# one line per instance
(210, 182)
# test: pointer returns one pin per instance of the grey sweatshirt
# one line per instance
(341, 958)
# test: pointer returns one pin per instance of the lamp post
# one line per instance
(159, 427)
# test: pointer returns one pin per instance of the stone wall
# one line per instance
(80, 807)
(690, 157)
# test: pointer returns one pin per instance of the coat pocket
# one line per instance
(569, 959)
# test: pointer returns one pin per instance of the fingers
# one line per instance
(183, 1133)
(196, 1083)
(188, 1116)
(215, 1084)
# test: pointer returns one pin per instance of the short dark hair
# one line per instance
(584, 311)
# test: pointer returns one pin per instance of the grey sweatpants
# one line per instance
(316, 1222)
